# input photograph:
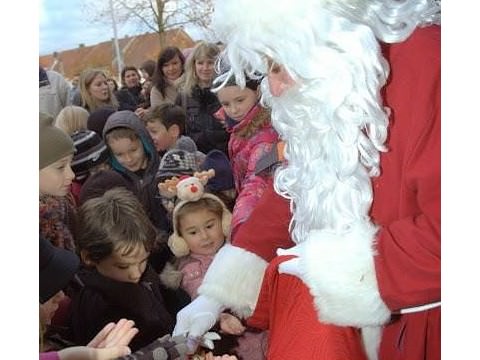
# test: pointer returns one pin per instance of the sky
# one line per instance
(63, 25)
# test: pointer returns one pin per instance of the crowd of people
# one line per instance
(272, 196)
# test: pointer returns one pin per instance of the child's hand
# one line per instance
(231, 324)
(119, 334)
(110, 343)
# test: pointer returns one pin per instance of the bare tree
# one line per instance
(154, 15)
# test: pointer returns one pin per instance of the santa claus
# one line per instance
(354, 88)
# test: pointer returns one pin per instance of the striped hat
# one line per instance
(90, 151)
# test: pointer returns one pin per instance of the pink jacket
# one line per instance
(193, 268)
(244, 154)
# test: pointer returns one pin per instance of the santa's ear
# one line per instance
(204, 176)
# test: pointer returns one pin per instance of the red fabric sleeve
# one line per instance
(267, 227)
(407, 194)
(286, 309)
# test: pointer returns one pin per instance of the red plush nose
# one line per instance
(193, 189)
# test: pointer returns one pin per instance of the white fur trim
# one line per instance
(234, 279)
(371, 336)
(339, 270)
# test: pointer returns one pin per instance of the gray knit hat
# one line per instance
(54, 143)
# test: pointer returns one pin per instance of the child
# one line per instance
(134, 157)
(72, 118)
(55, 178)
(91, 156)
(114, 240)
(201, 224)
(57, 268)
(166, 125)
(251, 136)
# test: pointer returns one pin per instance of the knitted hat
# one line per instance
(97, 119)
(177, 162)
(190, 189)
(97, 184)
(54, 143)
(223, 179)
(57, 267)
(90, 151)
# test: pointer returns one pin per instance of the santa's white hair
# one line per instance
(333, 121)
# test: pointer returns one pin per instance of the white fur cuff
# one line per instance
(339, 270)
(234, 279)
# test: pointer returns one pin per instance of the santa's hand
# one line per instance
(195, 319)
(291, 266)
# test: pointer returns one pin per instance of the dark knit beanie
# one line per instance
(223, 179)
(90, 151)
(54, 143)
(97, 184)
(97, 119)
(57, 267)
(177, 162)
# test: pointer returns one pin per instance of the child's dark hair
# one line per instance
(167, 114)
(114, 221)
(124, 71)
(167, 54)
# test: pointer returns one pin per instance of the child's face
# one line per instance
(131, 78)
(98, 88)
(56, 178)
(129, 153)
(237, 102)
(124, 268)
(205, 70)
(202, 231)
(163, 139)
(172, 69)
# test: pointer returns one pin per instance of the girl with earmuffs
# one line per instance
(201, 224)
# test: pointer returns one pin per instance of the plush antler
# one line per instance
(205, 175)
(168, 188)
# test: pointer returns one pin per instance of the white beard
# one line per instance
(329, 158)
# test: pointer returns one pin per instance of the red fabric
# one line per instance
(285, 307)
(51, 355)
(268, 223)
(75, 190)
(407, 199)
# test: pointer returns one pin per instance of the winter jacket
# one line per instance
(100, 300)
(130, 98)
(244, 154)
(145, 185)
(207, 131)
